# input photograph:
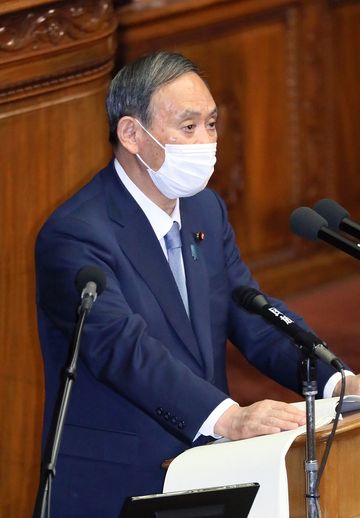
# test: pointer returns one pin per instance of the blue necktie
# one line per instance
(173, 245)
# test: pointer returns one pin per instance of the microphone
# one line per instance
(307, 223)
(255, 302)
(90, 282)
(337, 217)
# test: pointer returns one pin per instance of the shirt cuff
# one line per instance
(331, 383)
(207, 428)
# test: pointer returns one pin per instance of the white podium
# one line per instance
(260, 459)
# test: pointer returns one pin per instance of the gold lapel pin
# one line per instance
(199, 236)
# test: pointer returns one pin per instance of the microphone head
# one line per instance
(332, 212)
(307, 223)
(91, 274)
(249, 298)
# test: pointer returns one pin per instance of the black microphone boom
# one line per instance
(255, 302)
(337, 217)
(307, 223)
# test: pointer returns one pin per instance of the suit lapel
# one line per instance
(197, 283)
(138, 241)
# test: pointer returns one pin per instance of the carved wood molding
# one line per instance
(44, 47)
(54, 25)
(53, 82)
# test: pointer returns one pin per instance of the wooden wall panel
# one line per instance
(55, 71)
(269, 68)
(257, 194)
(33, 182)
(345, 52)
(285, 74)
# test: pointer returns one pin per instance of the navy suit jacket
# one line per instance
(147, 375)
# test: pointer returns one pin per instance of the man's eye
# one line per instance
(212, 125)
(190, 127)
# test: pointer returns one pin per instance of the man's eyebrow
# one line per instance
(193, 113)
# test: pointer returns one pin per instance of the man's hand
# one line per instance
(261, 418)
(352, 386)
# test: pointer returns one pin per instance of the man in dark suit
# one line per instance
(151, 375)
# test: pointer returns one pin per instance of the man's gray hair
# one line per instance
(131, 89)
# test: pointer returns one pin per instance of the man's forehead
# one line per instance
(185, 96)
(189, 113)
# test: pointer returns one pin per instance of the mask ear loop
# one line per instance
(157, 142)
(150, 135)
(143, 162)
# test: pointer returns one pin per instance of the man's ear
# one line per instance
(128, 134)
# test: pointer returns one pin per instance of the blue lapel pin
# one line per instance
(194, 252)
(199, 236)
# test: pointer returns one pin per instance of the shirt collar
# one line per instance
(160, 221)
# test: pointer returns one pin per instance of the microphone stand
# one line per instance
(309, 390)
(43, 500)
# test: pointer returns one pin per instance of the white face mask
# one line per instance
(186, 170)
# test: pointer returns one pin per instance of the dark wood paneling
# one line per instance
(285, 75)
(270, 68)
(345, 51)
(55, 62)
